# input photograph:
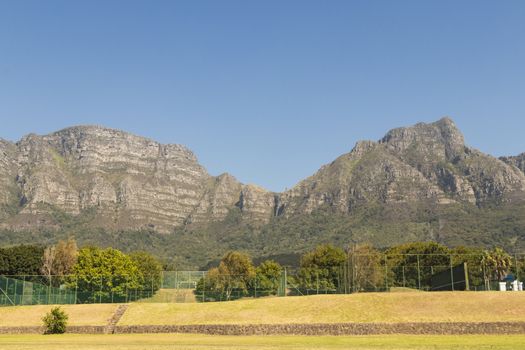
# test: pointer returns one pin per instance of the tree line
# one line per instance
(95, 274)
(362, 267)
(109, 275)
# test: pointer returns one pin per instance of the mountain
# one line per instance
(426, 162)
(109, 187)
(130, 182)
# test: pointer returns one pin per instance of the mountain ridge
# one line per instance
(416, 179)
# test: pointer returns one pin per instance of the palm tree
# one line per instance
(497, 263)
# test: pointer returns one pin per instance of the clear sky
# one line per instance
(269, 90)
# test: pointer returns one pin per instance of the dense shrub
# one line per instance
(55, 321)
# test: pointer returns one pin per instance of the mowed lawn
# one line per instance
(364, 307)
(194, 342)
(79, 315)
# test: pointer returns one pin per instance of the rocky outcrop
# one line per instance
(8, 190)
(130, 181)
(256, 203)
(220, 196)
(517, 161)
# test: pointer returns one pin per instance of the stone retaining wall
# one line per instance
(40, 330)
(436, 328)
(428, 328)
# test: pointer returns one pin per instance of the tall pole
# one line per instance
(418, 273)
(386, 272)
(517, 267)
(451, 273)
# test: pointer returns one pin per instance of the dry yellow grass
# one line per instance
(366, 307)
(79, 315)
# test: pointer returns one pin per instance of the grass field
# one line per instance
(194, 342)
(365, 307)
(79, 315)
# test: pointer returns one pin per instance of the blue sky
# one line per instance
(270, 90)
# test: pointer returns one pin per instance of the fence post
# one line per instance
(517, 267)
(485, 280)
(23, 290)
(354, 271)
(467, 283)
(451, 273)
(100, 294)
(418, 273)
(283, 284)
(317, 277)
(48, 291)
(346, 279)
(386, 273)
(204, 289)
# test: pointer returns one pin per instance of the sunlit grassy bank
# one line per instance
(365, 307)
(79, 315)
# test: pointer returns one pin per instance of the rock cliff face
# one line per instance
(8, 190)
(118, 181)
(426, 162)
(517, 161)
(131, 182)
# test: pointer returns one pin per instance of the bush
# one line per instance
(55, 321)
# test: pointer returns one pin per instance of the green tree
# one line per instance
(268, 275)
(211, 287)
(104, 275)
(497, 264)
(21, 260)
(366, 270)
(58, 260)
(232, 279)
(413, 264)
(150, 269)
(321, 269)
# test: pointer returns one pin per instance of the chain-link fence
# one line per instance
(32, 290)
(220, 287)
(397, 272)
(37, 290)
(359, 273)
(181, 279)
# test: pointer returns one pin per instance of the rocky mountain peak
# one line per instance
(78, 137)
(427, 162)
(442, 138)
